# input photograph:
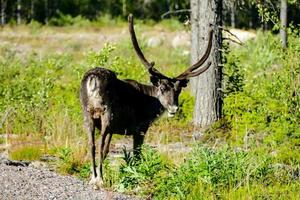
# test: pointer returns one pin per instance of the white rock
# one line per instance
(182, 39)
(38, 164)
(154, 41)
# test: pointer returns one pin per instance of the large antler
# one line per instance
(149, 66)
(190, 71)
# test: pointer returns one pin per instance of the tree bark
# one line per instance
(19, 12)
(232, 14)
(206, 87)
(124, 8)
(46, 11)
(283, 20)
(32, 10)
(3, 13)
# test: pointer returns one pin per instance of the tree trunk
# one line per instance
(169, 8)
(19, 12)
(124, 8)
(32, 10)
(176, 5)
(206, 87)
(283, 20)
(3, 14)
(232, 14)
(46, 11)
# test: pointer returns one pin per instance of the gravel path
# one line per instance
(19, 181)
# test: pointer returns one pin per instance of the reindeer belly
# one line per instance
(123, 122)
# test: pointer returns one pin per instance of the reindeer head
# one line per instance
(168, 89)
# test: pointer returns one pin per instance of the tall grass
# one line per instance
(206, 173)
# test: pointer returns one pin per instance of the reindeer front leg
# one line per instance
(138, 140)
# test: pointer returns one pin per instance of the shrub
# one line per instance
(262, 90)
(68, 20)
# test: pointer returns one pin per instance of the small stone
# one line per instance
(154, 41)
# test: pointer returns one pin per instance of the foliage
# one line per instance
(68, 12)
(214, 170)
(60, 11)
(206, 173)
(137, 175)
(124, 68)
(233, 74)
(269, 12)
(70, 163)
(262, 103)
(186, 106)
(68, 20)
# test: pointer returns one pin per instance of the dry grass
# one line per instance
(70, 40)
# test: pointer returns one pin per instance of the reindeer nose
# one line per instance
(173, 109)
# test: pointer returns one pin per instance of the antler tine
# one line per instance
(189, 72)
(198, 72)
(149, 66)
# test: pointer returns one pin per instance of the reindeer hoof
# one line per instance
(92, 181)
(97, 183)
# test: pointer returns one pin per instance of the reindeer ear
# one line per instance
(154, 80)
(183, 83)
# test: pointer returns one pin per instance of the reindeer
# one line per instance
(128, 107)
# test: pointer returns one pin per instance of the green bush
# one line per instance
(68, 20)
(124, 68)
(186, 107)
(262, 90)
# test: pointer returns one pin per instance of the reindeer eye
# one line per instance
(163, 88)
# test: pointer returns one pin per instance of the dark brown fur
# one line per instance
(122, 107)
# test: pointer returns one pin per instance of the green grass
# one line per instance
(206, 173)
(2, 140)
(28, 153)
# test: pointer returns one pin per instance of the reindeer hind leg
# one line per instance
(104, 148)
(90, 128)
